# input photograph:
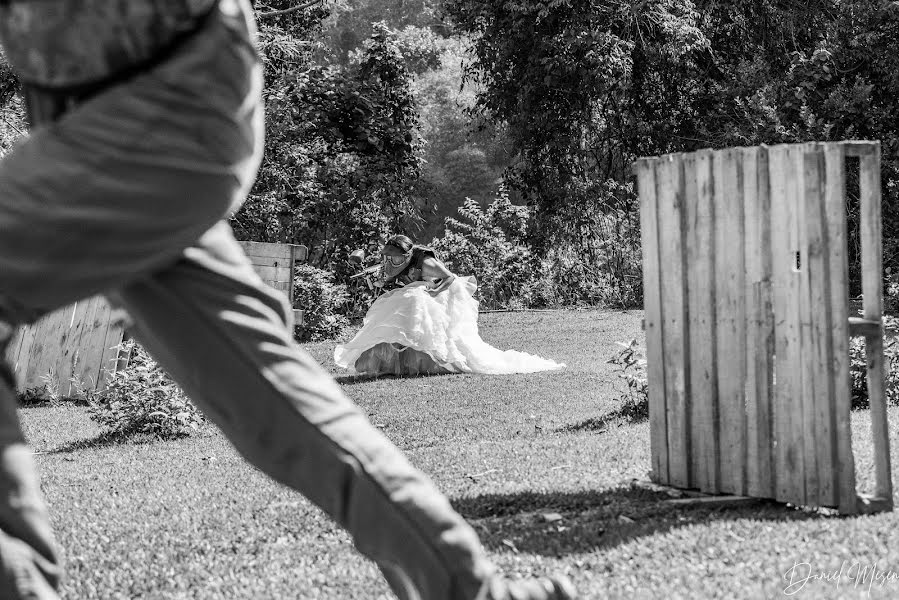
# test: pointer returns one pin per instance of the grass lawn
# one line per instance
(189, 519)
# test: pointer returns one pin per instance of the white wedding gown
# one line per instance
(409, 331)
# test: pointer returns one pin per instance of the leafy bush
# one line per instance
(594, 248)
(141, 398)
(342, 151)
(595, 262)
(321, 300)
(630, 364)
(489, 245)
(858, 369)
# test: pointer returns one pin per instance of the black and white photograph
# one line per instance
(449, 299)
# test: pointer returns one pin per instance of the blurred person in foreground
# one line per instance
(146, 132)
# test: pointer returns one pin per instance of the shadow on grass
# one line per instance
(27, 403)
(355, 379)
(525, 522)
(629, 413)
(104, 440)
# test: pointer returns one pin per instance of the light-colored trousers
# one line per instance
(125, 195)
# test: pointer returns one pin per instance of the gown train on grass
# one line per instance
(409, 331)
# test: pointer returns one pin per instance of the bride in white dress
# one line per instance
(428, 325)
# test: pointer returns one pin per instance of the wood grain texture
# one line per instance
(652, 301)
(730, 314)
(699, 239)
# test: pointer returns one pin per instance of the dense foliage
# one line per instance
(583, 88)
(323, 302)
(489, 245)
(341, 154)
(142, 398)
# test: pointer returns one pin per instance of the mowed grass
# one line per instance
(190, 519)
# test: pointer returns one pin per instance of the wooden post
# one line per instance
(835, 206)
(872, 269)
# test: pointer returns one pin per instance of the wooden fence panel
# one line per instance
(77, 345)
(68, 348)
(747, 326)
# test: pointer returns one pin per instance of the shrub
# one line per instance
(594, 261)
(858, 369)
(630, 364)
(321, 299)
(141, 398)
(594, 249)
(487, 243)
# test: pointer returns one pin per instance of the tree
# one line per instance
(341, 151)
(581, 88)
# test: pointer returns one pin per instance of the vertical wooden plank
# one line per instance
(760, 324)
(92, 340)
(675, 337)
(801, 435)
(295, 257)
(21, 365)
(872, 277)
(29, 373)
(835, 208)
(787, 387)
(15, 346)
(803, 413)
(699, 239)
(819, 401)
(652, 300)
(730, 312)
(71, 349)
(115, 331)
(754, 337)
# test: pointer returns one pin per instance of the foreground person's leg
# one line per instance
(107, 198)
(226, 338)
(29, 564)
(115, 188)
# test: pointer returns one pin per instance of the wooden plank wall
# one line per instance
(747, 316)
(78, 343)
(67, 348)
(274, 263)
